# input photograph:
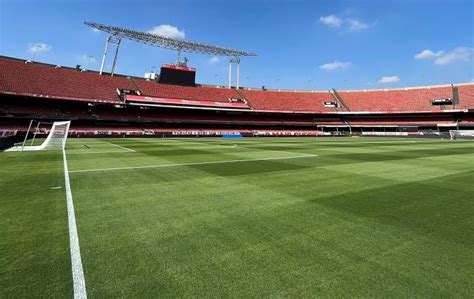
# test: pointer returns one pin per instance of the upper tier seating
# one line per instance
(395, 100)
(200, 93)
(33, 79)
(289, 101)
(466, 96)
(39, 80)
(390, 100)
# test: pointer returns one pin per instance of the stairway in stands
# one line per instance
(339, 99)
(242, 97)
(136, 85)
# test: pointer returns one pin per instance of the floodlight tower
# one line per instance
(114, 39)
(36, 48)
(234, 60)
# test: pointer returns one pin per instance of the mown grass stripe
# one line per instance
(190, 164)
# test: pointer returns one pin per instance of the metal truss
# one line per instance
(179, 45)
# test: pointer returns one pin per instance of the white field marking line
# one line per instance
(122, 147)
(76, 261)
(189, 164)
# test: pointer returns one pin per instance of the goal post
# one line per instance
(461, 134)
(55, 140)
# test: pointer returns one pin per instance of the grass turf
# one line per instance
(365, 217)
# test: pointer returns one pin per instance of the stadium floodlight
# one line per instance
(179, 45)
(56, 139)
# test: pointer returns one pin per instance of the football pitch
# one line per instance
(252, 217)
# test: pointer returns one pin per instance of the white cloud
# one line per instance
(428, 54)
(38, 48)
(331, 20)
(446, 57)
(389, 79)
(168, 31)
(346, 23)
(356, 25)
(334, 65)
(214, 60)
(458, 54)
(95, 30)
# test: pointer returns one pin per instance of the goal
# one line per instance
(461, 134)
(55, 140)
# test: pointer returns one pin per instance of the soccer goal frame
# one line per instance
(461, 134)
(55, 140)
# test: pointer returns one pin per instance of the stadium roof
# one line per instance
(169, 43)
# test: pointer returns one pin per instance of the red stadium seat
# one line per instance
(288, 100)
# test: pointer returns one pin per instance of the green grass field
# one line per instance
(299, 217)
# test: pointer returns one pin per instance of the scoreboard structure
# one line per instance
(177, 74)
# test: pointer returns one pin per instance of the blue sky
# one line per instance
(323, 44)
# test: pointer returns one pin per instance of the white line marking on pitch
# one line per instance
(190, 164)
(76, 262)
(123, 147)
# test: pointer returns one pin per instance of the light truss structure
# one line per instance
(179, 45)
(168, 42)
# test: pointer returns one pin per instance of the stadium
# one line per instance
(118, 185)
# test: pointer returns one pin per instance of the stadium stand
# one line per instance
(98, 102)
(46, 81)
(466, 96)
(396, 100)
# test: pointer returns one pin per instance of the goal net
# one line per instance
(461, 134)
(55, 140)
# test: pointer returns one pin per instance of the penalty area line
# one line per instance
(192, 164)
(122, 147)
(76, 261)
